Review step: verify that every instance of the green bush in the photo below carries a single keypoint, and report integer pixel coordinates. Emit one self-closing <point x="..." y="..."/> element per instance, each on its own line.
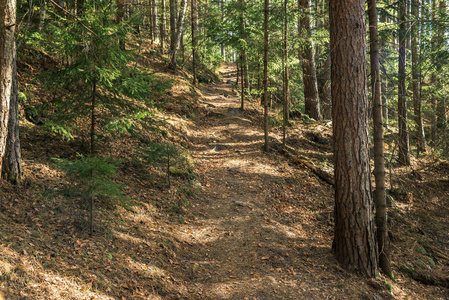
<point x="92" y="179"/>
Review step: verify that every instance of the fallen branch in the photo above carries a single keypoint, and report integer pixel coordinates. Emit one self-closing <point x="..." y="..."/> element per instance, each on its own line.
<point x="302" y="161"/>
<point x="426" y="277"/>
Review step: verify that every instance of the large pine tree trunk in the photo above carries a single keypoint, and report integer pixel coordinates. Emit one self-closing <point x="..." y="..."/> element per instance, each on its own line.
<point x="179" y="31"/>
<point x="404" y="144"/>
<point x="354" y="241"/>
<point x="379" y="162"/>
<point x="12" y="162"/>
<point x="265" y="75"/>
<point x="420" y="136"/>
<point x="7" y="55"/>
<point x="311" y="97"/>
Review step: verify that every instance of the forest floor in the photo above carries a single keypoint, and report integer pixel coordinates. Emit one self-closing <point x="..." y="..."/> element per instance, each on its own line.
<point x="252" y="225"/>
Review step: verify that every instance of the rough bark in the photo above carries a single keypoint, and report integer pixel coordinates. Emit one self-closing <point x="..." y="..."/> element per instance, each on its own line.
<point x="420" y="136"/>
<point x="383" y="244"/>
<point x="265" y="75"/>
<point x="354" y="240"/>
<point x="177" y="36"/>
<point x="7" y="55"/>
<point x="404" y="144"/>
<point x="311" y="97"/>
<point x="12" y="162"/>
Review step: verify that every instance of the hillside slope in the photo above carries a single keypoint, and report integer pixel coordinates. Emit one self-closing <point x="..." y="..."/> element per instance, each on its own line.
<point x="243" y="225"/>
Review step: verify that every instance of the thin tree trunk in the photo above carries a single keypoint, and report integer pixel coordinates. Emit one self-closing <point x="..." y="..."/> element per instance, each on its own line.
<point x="12" y="162"/>
<point x="7" y="57"/>
<point x="354" y="240"/>
<point x="311" y="97"/>
<point x="383" y="244"/>
<point x="150" y="23"/>
<point x="154" y="19"/>
<point x="242" y="53"/>
<point x="179" y="32"/>
<point x="194" y="18"/>
<point x="285" y="81"/>
<point x="404" y="145"/>
<point x="120" y="15"/>
<point x="163" y="30"/>
<point x="327" y="98"/>
<point x="173" y="8"/>
<point x="92" y="117"/>
<point x="434" y="113"/>
<point x="265" y="75"/>
<point x="421" y="140"/>
<point x="42" y="14"/>
<point x="238" y="74"/>
<point x="242" y="85"/>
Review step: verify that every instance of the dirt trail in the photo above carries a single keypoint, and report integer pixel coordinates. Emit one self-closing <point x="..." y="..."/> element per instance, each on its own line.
<point x="244" y="244"/>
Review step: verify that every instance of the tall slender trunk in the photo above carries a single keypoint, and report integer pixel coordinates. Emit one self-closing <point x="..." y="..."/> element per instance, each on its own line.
<point x="119" y="18"/>
<point x="404" y="144"/>
<point x="285" y="81"/>
<point x="179" y="32"/>
<point x="194" y="18"/>
<point x="383" y="244"/>
<point x="265" y="75"/>
<point x="7" y="57"/>
<point x="311" y="97"/>
<point x="242" y="84"/>
<point x="354" y="238"/>
<point x="163" y="30"/>
<point x="327" y="98"/>
<point x="150" y="23"/>
<point x="92" y="117"/>
<point x="416" y="74"/>
<point x="42" y="14"/>
<point x="173" y="8"/>
<point x="12" y="162"/>
<point x="243" y="55"/>
<point x="154" y="19"/>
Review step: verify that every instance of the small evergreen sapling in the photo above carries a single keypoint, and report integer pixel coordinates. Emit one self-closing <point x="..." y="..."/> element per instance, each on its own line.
<point x="93" y="177"/>
<point x="165" y="155"/>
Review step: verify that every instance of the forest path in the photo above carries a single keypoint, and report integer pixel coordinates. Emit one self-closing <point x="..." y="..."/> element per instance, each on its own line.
<point x="244" y="243"/>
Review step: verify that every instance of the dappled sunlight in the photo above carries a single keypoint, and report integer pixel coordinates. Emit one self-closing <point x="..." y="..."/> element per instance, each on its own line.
<point x="25" y="272"/>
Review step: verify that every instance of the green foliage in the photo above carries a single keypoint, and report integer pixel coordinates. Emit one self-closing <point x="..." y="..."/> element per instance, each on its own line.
<point x="92" y="179"/>
<point x="421" y="250"/>
<point x="95" y="81"/>
<point x="169" y="157"/>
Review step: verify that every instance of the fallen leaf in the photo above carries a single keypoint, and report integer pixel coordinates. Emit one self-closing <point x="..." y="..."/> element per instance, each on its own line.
<point x="265" y="257"/>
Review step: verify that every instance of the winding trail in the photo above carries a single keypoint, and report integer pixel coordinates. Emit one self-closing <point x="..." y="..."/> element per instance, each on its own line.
<point x="244" y="243"/>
